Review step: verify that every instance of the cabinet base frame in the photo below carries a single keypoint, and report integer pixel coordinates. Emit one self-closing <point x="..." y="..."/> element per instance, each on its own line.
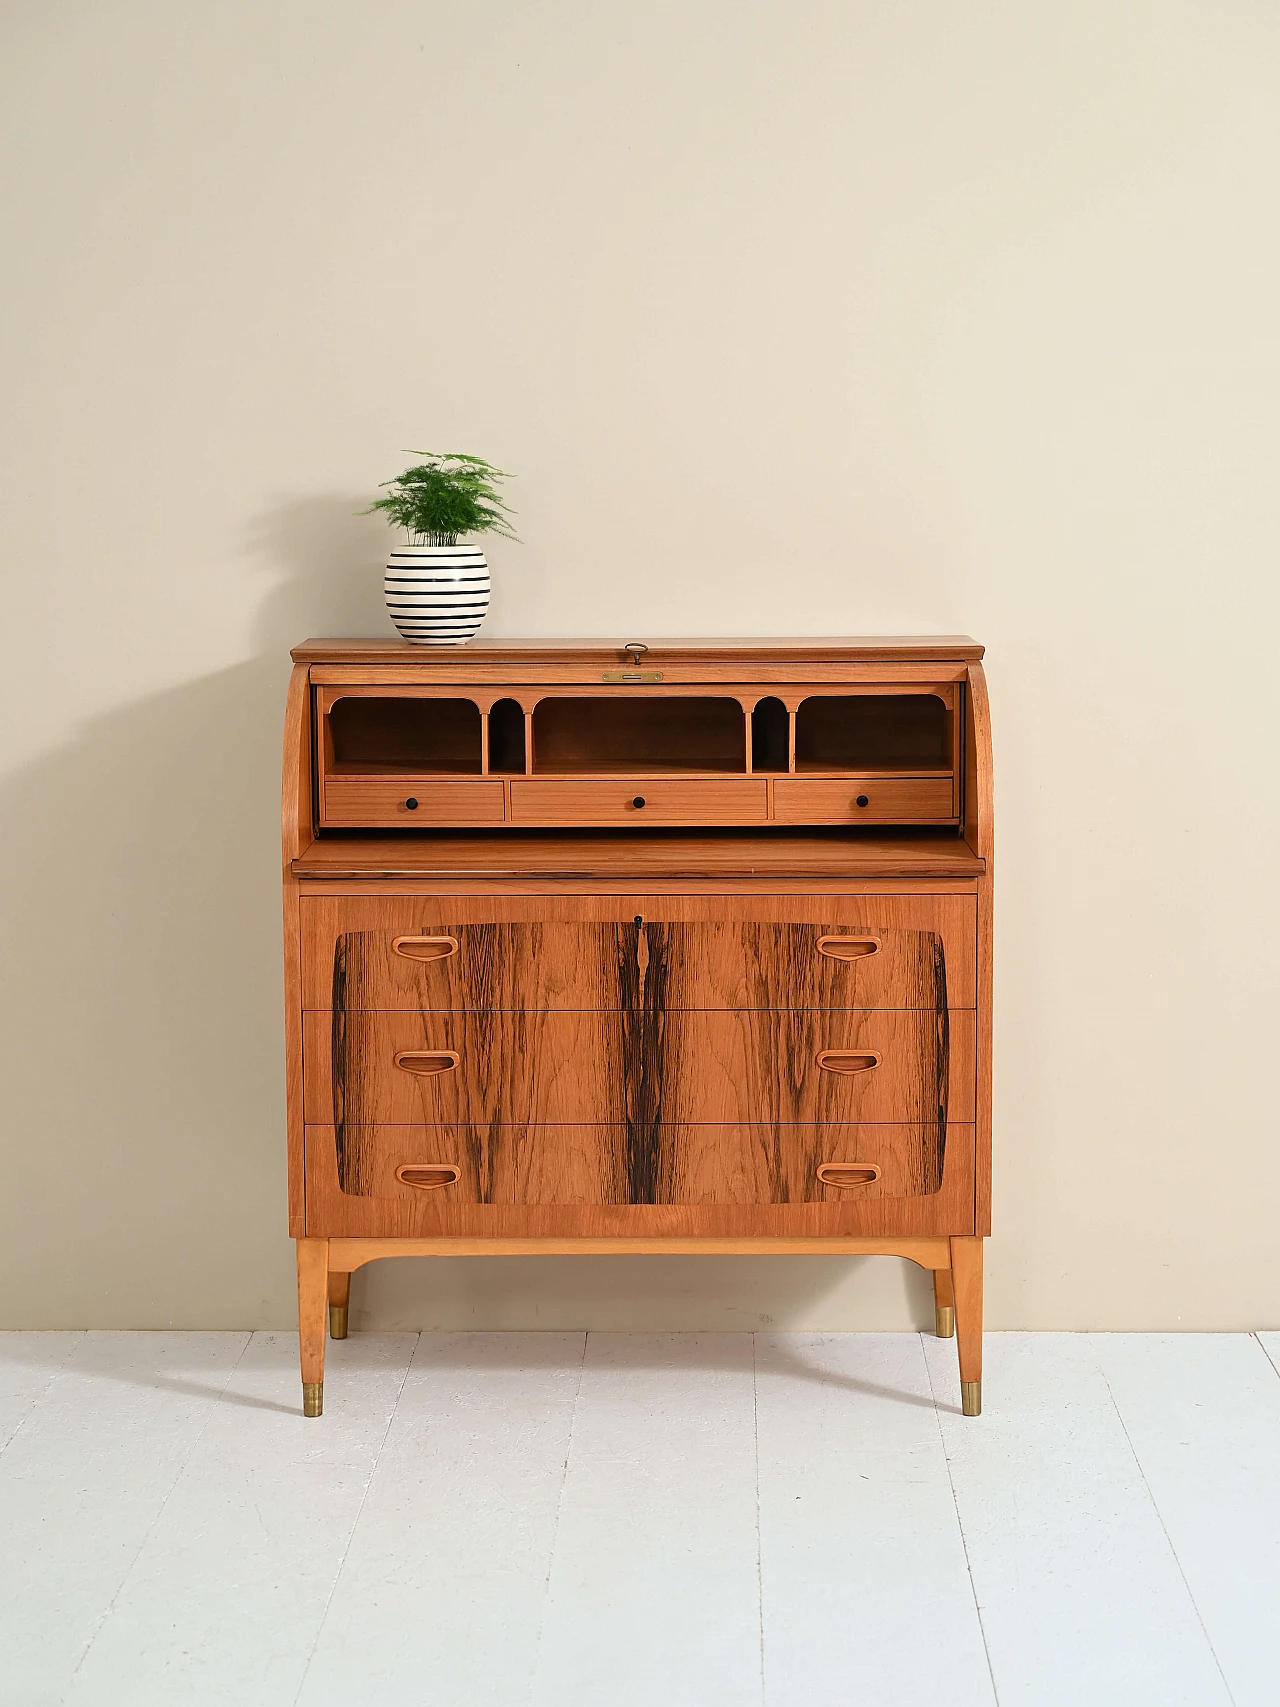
<point x="325" y="1267"/>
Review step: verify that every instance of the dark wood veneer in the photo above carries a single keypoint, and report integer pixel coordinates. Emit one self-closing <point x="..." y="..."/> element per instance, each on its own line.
<point x="585" y="990"/>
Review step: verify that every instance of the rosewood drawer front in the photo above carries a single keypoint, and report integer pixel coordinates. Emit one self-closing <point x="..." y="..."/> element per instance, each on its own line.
<point x="584" y="1164"/>
<point x="374" y="1067"/>
<point x="806" y="1066"/>
<point x="444" y="966"/>
<point x="863" y="800"/>
<point x="635" y="802"/>
<point x="400" y="953"/>
<point x="352" y="801"/>
<point x="371" y="1067"/>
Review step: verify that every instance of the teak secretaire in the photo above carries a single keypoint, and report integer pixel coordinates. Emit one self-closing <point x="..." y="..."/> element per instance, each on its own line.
<point x="602" y="947"/>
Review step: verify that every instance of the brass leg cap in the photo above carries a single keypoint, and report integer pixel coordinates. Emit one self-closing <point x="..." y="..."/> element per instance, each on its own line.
<point x="312" y="1398"/>
<point x="337" y="1321"/>
<point x="945" y="1321"/>
<point x="971" y="1398"/>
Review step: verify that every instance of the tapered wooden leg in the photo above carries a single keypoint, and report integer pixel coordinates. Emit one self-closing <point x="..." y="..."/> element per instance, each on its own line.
<point x="339" y="1294"/>
<point x="944" y="1304"/>
<point x="966" y="1278"/>
<point x="313" y="1275"/>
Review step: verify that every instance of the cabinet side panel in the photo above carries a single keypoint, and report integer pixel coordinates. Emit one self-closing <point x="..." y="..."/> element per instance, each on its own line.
<point x="295" y="836"/>
<point x="980" y="833"/>
<point x="982" y="1169"/>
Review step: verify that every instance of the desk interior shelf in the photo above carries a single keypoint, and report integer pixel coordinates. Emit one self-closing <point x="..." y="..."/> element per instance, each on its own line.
<point x="417" y="757"/>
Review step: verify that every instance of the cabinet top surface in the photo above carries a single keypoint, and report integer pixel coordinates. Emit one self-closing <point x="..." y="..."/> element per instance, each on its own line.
<point x="906" y="648"/>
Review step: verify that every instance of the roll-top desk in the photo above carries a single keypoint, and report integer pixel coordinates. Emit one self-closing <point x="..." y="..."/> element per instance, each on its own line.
<point x="606" y="947"/>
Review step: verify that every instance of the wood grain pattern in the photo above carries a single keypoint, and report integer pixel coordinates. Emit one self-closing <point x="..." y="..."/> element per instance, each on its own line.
<point x="721" y="1067"/>
<point x="612" y="654"/>
<point x="650" y="1044"/>
<point x="980" y="832"/>
<point x="385" y="803"/>
<point x="520" y="1065"/>
<point x="549" y="952"/>
<point x="638" y="1012"/>
<point x="778" y="1163"/>
<point x="923" y="957"/>
<point x="296" y="837"/>
<point x="499" y="965"/>
<point x="978" y="792"/>
<point x="923" y="1250"/>
<point x="558" y="1172"/>
<point x="966" y="1277"/>
<point x="621" y="730"/>
<point x="846" y="853"/>
<point x="313" y="1306"/>
<point x="644" y="1070"/>
<point x="534" y="676"/>
<point x="597" y="800"/>
<point x="581" y="1163"/>
<point x="889" y="800"/>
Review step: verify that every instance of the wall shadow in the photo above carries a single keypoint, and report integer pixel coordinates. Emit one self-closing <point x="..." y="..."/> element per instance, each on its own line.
<point x="142" y="1039"/>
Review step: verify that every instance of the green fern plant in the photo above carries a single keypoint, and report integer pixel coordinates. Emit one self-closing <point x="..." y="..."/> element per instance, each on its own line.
<point x="439" y="500"/>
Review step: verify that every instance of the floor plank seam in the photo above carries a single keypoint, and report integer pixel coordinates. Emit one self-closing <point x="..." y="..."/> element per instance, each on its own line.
<point x="105" y="1618"/>
<point x="555" y="1527"/>
<point x="355" y="1522"/>
<point x="1266" y="1352"/>
<point x="755" y="1431"/>
<point x="1165" y="1532"/>
<point x="964" y="1539"/>
<point x="36" y="1398"/>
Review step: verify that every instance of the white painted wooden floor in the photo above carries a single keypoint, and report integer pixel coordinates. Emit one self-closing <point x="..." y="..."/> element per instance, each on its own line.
<point x="639" y="1520"/>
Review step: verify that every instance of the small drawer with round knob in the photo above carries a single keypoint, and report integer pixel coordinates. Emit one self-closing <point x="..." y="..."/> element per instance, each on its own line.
<point x="601" y="800"/>
<point x="864" y="800"/>
<point x="378" y="802"/>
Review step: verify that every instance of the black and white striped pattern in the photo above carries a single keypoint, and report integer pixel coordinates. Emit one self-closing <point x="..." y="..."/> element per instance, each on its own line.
<point x="437" y="594"/>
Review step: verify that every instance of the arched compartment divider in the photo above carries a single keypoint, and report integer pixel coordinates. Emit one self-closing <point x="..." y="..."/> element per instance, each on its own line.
<point x="506" y="738"/>
<point x="770" y="736"/>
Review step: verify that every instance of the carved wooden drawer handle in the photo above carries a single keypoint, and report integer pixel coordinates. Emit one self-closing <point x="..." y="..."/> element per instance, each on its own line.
<point x="848" y="1060"/>
<point x="425" y="947"/>
<point x="425" y="1062"/>
<point x="428" y="1176"/>
<point x="842" y="1175"/>
<point x="848" y="947"/>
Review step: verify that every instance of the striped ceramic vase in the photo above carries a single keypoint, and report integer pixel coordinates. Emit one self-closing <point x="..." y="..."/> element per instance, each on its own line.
<point x="437" y="594"/>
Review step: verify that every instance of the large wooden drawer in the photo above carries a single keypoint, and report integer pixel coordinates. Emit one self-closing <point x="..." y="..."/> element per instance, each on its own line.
<point x="430" y="955"/>
<point x="437" y="964"/>
<point x="863" y="800"/>
<point x="639" y="801"/>
<point x="407" y="805"/>
<point x="374" y="1067"/>
<point x="670" y="1163"/>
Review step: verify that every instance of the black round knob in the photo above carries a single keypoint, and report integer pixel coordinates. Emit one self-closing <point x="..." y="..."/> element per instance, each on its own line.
<point x="863" y="801"/>
<point x="638" y="920"/>
<point x="412" y="804"/>
<point x="639" y="800"/>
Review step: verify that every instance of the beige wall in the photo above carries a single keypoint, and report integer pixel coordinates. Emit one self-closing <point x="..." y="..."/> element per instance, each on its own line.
<point x="856" y="316"/>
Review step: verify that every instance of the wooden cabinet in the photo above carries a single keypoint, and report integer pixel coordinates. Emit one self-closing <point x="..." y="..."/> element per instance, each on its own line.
<point x="630" y="974"/>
